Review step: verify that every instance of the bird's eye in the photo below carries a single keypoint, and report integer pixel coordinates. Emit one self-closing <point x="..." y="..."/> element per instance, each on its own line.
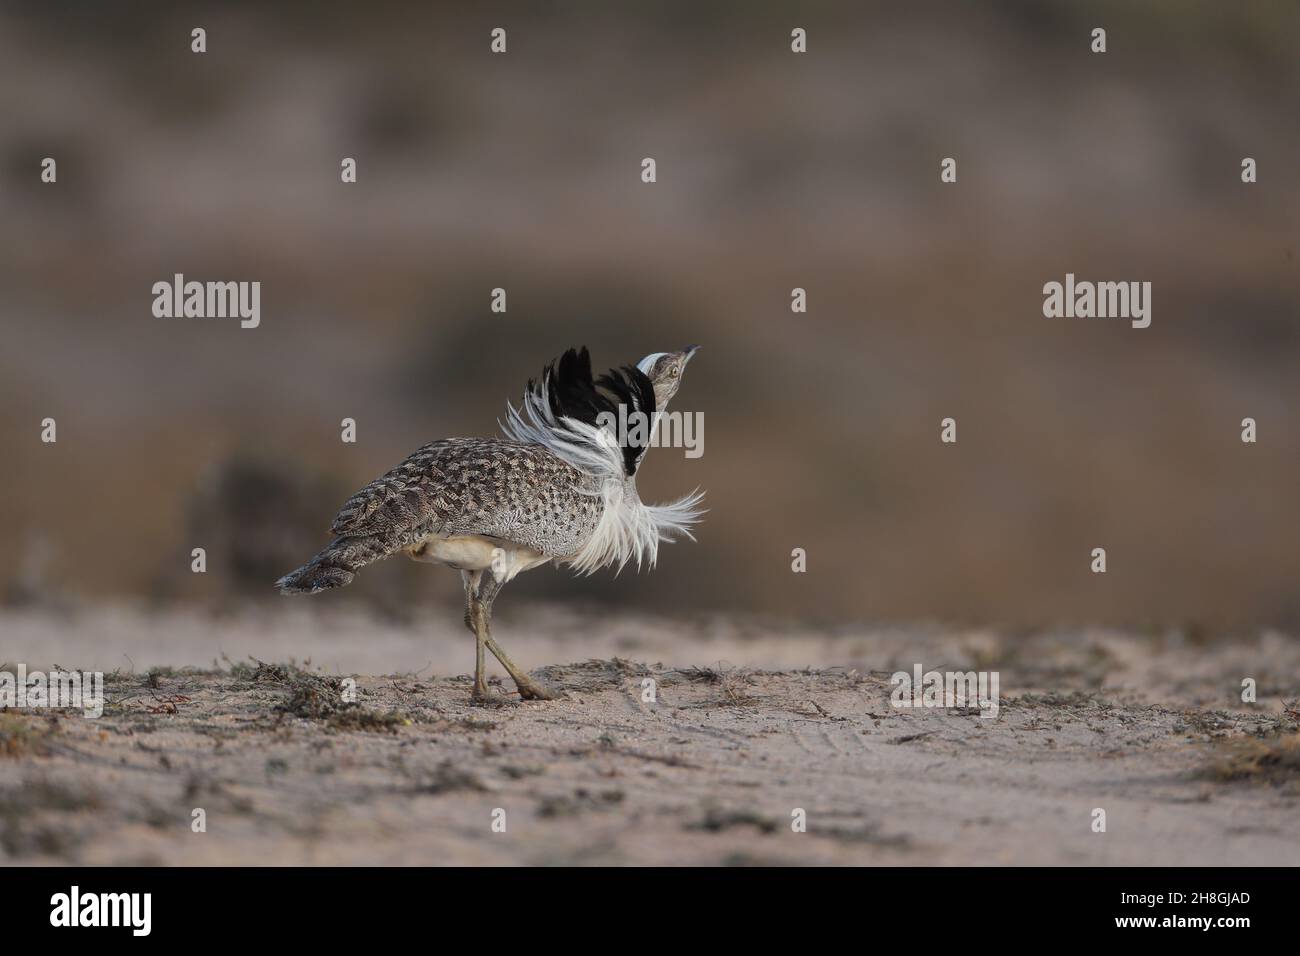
<point x="672" y="373"/>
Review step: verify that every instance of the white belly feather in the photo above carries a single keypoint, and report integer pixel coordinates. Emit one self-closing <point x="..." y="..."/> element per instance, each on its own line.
<point x="474" y="552"/>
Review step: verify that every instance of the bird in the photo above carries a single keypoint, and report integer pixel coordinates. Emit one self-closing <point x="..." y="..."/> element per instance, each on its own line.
<point x="558" y="486"/>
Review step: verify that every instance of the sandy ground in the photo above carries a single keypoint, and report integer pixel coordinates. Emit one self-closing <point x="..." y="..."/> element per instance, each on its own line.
<point x="751" y="721"/>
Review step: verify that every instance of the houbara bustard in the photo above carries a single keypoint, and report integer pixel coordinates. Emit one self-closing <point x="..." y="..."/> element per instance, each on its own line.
<point x="560" y="486"/>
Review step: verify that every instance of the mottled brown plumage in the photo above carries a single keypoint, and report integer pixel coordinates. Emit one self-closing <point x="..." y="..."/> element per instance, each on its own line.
<point x="492" y="487"/>
<point x="487" y="486"/>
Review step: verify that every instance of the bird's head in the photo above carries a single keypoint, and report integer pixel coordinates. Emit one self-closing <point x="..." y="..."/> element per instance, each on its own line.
<point x="665" y="371"/>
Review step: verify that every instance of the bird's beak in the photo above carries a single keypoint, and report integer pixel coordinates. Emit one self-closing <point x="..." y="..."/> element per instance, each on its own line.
<point x="689" y="351"/>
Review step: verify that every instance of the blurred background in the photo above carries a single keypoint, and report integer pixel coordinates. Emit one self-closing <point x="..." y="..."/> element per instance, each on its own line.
<point x="775" y="170"/>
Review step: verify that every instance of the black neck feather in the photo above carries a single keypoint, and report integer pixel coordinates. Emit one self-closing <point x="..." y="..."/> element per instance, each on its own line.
<point x="572" y="393"/>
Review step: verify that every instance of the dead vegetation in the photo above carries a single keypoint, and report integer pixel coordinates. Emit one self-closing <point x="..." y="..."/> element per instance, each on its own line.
<point x="32" y="816"/>
<point x="717" y="819"/>
<point x="1273" y="760"/>
<point x="22" y="736"/>
<point x="449" y="777"/>
<point x="319" y="697"/>
<point x="580" y="801"/>
<point x="592" y="676"/>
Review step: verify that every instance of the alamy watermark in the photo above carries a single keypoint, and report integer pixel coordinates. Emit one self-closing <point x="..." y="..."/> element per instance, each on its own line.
<point x="666" y="430"/>
<point x="208" y="300"/>
<point x="75" y="908"/>
<point x="1100" y="300"/>
<point x="56" y="690"/>
<point x="950" y="689"/>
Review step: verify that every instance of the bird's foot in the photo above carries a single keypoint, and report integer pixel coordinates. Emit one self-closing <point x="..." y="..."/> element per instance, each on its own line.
<point x="531" y="690"/>
<point x="484" y="696"/>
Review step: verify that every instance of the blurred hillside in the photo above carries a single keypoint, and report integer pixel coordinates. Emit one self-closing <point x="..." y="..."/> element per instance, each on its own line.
<point x="774" y="170"/>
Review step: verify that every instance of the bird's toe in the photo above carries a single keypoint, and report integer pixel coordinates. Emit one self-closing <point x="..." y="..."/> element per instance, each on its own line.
<point x="531" y="690"/>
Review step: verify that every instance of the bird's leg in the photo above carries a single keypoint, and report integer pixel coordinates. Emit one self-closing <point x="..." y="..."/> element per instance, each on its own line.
<point x="486" y="593"/>
<point x="475" y="620"/>
<point x="529" y="689"/>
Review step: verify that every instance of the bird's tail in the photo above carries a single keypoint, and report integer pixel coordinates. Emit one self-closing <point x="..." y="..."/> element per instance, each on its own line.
<point x="334" y="567"/>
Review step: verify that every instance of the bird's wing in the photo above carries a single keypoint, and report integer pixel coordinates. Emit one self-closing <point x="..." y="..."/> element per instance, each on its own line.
<point x="473" y="486"/>
<point x="431" y="485"/>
